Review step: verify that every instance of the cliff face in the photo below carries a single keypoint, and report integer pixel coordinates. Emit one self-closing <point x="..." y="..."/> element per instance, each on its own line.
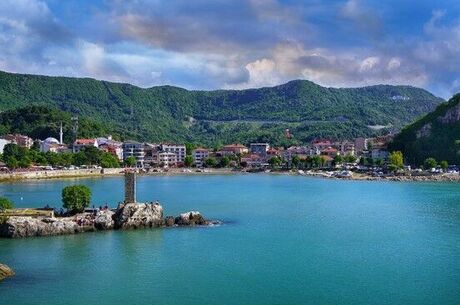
<point x="435" y="135"/>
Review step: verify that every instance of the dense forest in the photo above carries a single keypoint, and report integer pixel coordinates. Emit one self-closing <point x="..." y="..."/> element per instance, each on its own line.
<point x="166" y="113"/>
<point x="436" y="135"/>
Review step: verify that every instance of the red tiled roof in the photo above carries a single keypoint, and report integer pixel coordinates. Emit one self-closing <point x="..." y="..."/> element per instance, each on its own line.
<point x="231" y="146"/>
<point x="85" y="141"/>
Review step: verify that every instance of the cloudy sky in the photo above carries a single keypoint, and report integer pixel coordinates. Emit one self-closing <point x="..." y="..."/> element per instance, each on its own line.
<point x="209" y="44"/>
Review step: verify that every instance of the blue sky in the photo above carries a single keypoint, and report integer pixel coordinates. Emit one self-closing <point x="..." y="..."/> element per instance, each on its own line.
<point x="203" y="44"/>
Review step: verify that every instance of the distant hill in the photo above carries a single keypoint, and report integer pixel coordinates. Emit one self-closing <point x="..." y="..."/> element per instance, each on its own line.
<point x="167" y="113"/>
<point x="40" y="122"/>
<point x="435" y="135"/>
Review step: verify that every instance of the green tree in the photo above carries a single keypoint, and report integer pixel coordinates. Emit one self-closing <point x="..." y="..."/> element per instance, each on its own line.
<point x="444" y="165"/>
<point x="350" y="159"/>
<point x="295" y="161"/>
<point x="430" y="163"/>
<point x="396" y="160"/>
<point x="224" y="161"/>
<point x="11" y="162"/>
<point x="5" y="204"/>
<point x="274" y="161"/>
<point x="189" y="147"/>
<point x="93" y="155"/>
<point x="210" y="162"/>
<point x="130" y="161"/>
<point x="337" y="160"/>
<point x="108" y="160"/>
<point x="78" y="158"/>
<point x="76" y="198"/>
<point x="188" y="161"/>
<point x="24" y="162"/>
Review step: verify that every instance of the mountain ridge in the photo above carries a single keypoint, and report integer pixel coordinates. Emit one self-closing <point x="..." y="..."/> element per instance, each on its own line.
<point x="172" y="113"/>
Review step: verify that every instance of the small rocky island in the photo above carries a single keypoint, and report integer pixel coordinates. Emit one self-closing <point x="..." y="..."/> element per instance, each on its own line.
<point x="128" y="215"/>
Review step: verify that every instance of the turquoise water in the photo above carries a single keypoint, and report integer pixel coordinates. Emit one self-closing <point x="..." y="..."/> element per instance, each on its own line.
<point x="286" y="240"/>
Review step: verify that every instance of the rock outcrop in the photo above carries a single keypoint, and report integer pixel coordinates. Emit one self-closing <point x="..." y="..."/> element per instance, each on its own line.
<point x="138" y="215"/>
<point x="126" y="216"/>
<point x="5" y="272"/>
<point x="191" y="218"/>
<point x="16" y="227"/>
<point x="104" y="220"/>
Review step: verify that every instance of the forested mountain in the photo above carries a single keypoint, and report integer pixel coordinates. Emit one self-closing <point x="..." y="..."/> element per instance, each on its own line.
<point x="167" y="113"/>
<point x="436" y="135"/>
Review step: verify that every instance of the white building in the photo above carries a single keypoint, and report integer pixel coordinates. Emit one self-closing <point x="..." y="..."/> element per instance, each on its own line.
<point x="167" y="159"/>
<point x="177" y="149"/>
<point x="199" y="156"/>
<point x="3" y="142"/>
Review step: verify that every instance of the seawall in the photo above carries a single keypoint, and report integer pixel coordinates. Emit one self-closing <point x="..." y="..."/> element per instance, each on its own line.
<point x="47" y="174"/>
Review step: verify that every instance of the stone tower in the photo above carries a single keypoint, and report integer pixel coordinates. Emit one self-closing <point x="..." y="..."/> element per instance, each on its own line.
<point x="130" y="187"/>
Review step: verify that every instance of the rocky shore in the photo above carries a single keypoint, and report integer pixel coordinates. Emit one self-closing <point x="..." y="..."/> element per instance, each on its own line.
<point x="5" y="272"/>
<point x="126" y="216"/>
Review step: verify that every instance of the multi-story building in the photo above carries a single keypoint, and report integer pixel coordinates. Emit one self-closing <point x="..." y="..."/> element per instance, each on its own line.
<point x="321" y="144"/>
<point x="347" y="148"/>
<point x="111" y="146"/>
<point x="259" y="149"/>
<point x="134" y="149"/>
<point x="151" y="152"/>
<point x="199" y="156"/>
<point x="79" y="144"/>
<point x="177" y="149"/>
<point x="330" y="152"/>
<point x="233" y="149"/>
<point x="20" y="140"/>
<point x="168" y="159"/>
<point x="360" y="145"/>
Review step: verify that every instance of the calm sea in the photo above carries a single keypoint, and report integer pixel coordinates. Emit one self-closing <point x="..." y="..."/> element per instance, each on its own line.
<point x="285" y="240"/>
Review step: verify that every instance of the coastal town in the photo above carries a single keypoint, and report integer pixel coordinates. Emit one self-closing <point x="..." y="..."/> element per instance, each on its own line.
<point x="326" y="157"/>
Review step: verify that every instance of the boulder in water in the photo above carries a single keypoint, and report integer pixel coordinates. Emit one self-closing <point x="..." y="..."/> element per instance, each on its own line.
<point x="191" y="218"/>
<point x="5" y="272"/>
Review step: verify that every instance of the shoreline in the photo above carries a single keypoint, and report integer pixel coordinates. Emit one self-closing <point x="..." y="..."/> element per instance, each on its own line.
<point x="116" y="172"/>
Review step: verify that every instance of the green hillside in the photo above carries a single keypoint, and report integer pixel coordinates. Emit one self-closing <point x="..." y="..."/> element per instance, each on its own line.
<point x="435" y="135"/>
<point x="168" y="113"/>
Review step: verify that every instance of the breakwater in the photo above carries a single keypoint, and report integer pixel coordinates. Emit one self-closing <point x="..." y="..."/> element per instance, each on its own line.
<point x="47" y="174"/>
<point x="126" y="216"/>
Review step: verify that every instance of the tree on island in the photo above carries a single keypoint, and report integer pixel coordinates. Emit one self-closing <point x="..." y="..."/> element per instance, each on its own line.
<point x="396" y="160"/>
<point x="188" y="160"/>
<point x="130" y="161"/>
<point x="430" y="163"/>
<point x="76" y="198"/>
<point x="5" y="204"/>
